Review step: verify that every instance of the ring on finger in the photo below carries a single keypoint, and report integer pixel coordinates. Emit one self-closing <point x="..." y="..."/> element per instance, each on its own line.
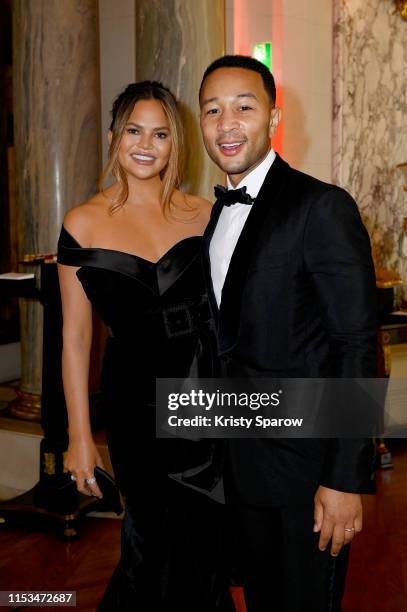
<point x="90" y="481"/>
<point x="73" y="477"/>
<point x="350" y="529"/>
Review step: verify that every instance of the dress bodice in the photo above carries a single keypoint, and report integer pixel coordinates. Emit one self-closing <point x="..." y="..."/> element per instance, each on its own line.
<point x="152" y="309"/>
<point x="128" y="290"/>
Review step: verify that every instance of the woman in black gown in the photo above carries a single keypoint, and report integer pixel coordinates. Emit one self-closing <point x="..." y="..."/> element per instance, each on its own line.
<point x="132" y="253"/>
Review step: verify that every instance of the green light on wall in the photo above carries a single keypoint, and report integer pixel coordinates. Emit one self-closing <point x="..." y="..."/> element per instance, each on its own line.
<point x="262" y="52"/>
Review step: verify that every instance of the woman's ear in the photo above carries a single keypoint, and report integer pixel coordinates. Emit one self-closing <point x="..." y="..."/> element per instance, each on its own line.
<point x="109" y="137"/>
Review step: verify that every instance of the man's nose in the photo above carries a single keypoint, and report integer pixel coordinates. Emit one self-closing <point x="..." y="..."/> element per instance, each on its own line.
<point x="228" y="121"/>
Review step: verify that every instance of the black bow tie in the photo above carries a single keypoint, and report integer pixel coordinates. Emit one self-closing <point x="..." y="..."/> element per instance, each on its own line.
<point x="232" y="196"/>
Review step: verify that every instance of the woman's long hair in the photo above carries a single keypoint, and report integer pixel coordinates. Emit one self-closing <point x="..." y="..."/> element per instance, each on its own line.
<point x="121" y="111"/>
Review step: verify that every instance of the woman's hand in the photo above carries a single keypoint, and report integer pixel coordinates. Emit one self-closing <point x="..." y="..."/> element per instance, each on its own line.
<point x="81" y="458"/>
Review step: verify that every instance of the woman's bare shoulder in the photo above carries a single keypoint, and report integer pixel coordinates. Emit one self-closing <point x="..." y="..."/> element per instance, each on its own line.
<point x="202" y="204"/>
<point x="82" y="218"/>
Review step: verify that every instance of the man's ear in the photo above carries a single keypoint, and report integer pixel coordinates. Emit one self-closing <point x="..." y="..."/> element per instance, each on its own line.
<point x="275" y="117"/>
<point x="109" y="137"/>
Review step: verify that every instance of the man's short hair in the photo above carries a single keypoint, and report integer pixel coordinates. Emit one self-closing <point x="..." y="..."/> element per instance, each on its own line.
<point x="247" y="62"/>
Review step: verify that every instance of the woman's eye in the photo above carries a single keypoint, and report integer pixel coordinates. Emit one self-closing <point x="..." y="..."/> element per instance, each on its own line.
<point x="212" y="111"/>
<point x="132" y="131"/>
<point x="162" y="135"/>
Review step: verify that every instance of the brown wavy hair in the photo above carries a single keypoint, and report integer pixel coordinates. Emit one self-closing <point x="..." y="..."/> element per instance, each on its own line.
<point x="121" y="111"/>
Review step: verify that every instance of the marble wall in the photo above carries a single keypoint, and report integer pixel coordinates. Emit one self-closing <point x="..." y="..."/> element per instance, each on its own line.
<point x="176" y="41"/>
<point x="370" y="119"/>
<point x="117" y="44"/>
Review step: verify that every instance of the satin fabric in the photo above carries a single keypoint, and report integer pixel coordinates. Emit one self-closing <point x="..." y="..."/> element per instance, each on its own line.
<point x="157" y="314"/>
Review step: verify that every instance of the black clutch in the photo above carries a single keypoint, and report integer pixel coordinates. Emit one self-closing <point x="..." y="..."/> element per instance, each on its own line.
<point x="109" y="489"/>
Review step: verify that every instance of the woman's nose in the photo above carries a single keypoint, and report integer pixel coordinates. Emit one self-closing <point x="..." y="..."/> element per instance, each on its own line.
<point x="145" y="141"/>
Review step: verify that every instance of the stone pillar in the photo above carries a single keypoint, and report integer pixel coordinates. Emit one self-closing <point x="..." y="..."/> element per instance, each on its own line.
<point x="57" y="144"/>
<point x="4" y="207"/>
<point x="175" y="42"/>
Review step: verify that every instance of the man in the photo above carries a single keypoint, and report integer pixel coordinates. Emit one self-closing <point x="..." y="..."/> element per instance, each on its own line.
<point x="292" y="288"/>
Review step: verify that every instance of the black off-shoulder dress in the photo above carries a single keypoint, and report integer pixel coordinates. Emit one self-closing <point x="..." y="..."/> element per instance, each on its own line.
<point x="173" y="552"/>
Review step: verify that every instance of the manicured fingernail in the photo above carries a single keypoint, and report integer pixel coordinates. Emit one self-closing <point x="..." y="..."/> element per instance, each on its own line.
<point x="315" y="527"/>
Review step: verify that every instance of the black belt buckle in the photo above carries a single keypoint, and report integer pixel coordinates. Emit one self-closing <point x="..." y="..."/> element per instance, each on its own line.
<point x="178" y="321"/>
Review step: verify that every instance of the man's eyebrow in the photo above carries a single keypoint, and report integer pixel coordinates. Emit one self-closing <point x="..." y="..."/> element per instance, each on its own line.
<point x="246" y="94"/>
<point x="209" y="100"/>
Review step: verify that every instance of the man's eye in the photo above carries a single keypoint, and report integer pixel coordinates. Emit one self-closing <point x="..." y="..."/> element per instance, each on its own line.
<point x="212" y="111"/>
<point x="244" y="107"/>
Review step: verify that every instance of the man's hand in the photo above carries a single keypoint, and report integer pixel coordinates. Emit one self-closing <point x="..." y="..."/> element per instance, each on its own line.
<point x="337" y="515"/>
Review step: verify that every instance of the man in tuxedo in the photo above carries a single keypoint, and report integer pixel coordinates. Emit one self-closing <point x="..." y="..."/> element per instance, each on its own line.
<point x="292" y="288"/>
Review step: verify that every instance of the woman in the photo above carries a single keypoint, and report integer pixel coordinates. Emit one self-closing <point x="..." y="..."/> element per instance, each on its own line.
<point x="132" y="252"/>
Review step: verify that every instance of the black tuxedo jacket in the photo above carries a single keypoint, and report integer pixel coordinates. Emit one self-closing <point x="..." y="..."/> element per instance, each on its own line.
<point x="298" y="301"/>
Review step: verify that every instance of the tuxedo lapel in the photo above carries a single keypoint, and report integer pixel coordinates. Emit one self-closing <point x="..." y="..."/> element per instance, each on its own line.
<point x="265" y="204"/>
<point x="207" y="237"/>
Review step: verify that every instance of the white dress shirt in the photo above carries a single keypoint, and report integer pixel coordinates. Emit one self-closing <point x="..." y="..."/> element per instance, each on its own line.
<point x="230" y="224"/>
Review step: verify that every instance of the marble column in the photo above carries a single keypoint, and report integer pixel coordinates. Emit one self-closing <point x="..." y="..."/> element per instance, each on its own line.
<point x="175" y="42"/>
<point x="56" y="122"/>
<point x="370" y="120"/>
<point x="4" y="220"/>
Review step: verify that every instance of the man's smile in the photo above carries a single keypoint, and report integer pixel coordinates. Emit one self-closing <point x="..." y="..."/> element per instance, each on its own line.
<point x="231" y="148"/>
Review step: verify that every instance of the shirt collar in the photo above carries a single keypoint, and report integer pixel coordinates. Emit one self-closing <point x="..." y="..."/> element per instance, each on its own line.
<point x="255" y="179"/>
